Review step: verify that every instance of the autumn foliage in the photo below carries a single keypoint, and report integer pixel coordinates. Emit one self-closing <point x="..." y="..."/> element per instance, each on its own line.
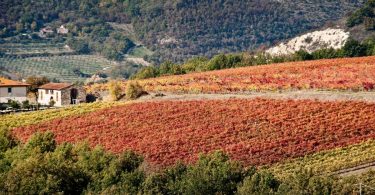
<point x="357" y="74"/>
<point x="255" y="131"/>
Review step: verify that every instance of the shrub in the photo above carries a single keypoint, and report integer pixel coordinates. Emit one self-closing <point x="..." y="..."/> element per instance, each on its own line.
<point x="44" y="141"/>
<point x="212" y="174"/>
<point x="79" y="45"/>
<point x="218" y="62"/>
<point x="353" y="48"/>
<point x="166" y="182"/>
<point x="115" y="90"/>
<point x="7" y="141"/>
<point x="259" y="183"/>
<point x="303" y="55"/>
<point x="133" y="90"/>
<point x="26" y="104"/>
<point x="14" y="104"/>
<point x="195" y="64"/>
<point x="145" y="73"/>
<point x="305" y="182"/>
<point x="51" y="103"/>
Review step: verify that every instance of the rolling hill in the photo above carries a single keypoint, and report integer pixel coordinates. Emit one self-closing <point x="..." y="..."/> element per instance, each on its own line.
<point x="254" y="132"/>
<point x="321" y="142"/>
<point x="350" y="74"/>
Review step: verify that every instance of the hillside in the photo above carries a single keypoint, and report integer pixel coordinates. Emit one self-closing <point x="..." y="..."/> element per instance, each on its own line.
<point x="358" y="25"/>
<point x="184" y="29"/>
<point x="180" y="130"/>
<point x="289" y="140"/>
<point x="346" y="74"/>
<point x="57" y="61"/>
<point x="313" y="41"/>
<point x="175" y="30"/>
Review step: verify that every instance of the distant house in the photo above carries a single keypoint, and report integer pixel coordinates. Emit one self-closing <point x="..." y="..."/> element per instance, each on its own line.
<point x="44" y="32"/>
<point x="12" y="90"/>
<point x="62" y="30"/>
<point x="62" y="94"/>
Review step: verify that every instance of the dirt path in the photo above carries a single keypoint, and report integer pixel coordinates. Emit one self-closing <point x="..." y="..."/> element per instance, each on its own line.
<point x="296" y="95"/>
<point x="356" y="170"/>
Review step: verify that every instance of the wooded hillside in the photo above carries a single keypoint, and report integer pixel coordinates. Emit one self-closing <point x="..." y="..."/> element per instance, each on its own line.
<point x="174" y="29"/>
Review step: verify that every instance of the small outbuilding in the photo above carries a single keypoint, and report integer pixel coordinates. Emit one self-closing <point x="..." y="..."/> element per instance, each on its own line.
<point x="62" y="94"/>
<point x="47" y="31"/>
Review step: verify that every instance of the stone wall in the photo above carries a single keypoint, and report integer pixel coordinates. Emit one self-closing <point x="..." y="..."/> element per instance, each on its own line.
<point x="65" y="95"/>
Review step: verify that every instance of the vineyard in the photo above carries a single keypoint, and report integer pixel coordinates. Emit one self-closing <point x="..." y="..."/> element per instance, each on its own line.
<point x="335" y="74"/>
<point x="257" y="131"/>
<point x="34" y="48"/>
<point x="55" y="61"/>
<point x="17" y="120"/>
<point x="329" y="161"/>
<point x="60" y="67"/>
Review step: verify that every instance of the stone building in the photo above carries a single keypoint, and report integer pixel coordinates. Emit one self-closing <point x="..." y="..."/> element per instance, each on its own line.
<point x="62" y="94"/>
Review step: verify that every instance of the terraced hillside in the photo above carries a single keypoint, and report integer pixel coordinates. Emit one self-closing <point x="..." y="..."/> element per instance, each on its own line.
<point x="60" y="67"/>
<point x="34" y="48"/>
<point x="58" y="61"/>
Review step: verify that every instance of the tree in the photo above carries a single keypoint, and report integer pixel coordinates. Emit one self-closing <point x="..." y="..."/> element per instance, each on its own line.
<point x="34" y="26"/>
<point x="148" y="72"/>
<point x="303" y="55"/>
<point x="217" y="62"/>
<point x="353" y="48"/>
<point x="369" y="23"/>
<point x="35" y="82"/>
<point x="79" y="45"/>
<point x="19" y="27"/>
<point x="195" y="64"/>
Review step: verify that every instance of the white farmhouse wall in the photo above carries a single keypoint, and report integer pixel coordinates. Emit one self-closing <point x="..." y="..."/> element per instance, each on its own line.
<point x="18" y="94"/>
<point x="45" y="98"/>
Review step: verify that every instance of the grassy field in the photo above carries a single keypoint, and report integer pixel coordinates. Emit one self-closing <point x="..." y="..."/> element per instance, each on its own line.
<point x="140" y="52"/>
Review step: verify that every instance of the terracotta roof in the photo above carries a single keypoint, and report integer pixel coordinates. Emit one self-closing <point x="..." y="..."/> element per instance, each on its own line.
<point x="10" y="83"/>
<point x="55" y="86"/>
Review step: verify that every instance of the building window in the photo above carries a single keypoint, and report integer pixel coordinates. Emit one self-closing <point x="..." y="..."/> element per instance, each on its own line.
<point x="9" y="90"/>
<point x="51" y="91"/>
<point x="47" y="91"/>
<point x="41" y="95"/>
<point x="57" y="96"/>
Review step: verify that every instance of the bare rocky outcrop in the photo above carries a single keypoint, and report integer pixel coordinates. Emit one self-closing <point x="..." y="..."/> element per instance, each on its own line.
<point x="310" y="42"/>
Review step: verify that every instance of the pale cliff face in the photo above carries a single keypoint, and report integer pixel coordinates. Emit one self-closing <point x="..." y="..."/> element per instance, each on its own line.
<point x="310" y="42"/>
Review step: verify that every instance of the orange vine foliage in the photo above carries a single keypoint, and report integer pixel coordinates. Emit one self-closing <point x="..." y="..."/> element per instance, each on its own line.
<point x="333" y="74"/>
<point x="256" y="132"/>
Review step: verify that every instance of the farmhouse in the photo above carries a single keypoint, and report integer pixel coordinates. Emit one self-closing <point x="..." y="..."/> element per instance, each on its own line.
<point x="62" y="94"/>
<point x="44" y="32"/>
<point x="12" y="90"/>
<point x="62" y="30"/>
